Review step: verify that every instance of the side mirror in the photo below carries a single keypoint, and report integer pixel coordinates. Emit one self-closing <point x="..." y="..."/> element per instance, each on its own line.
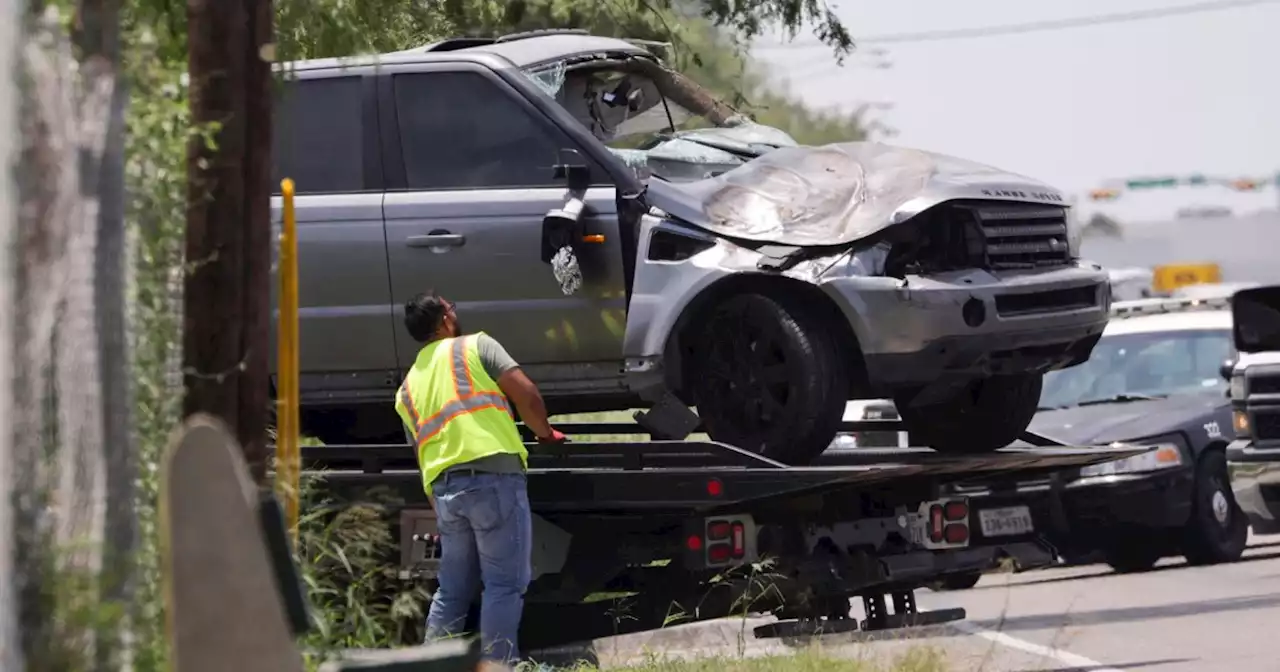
<point x="1228" y="366"/>
<point x="1255" y="316"/>
<point x="573" y="170"/>
<point x="561" y="227"/>
<point x="562" y="231"/>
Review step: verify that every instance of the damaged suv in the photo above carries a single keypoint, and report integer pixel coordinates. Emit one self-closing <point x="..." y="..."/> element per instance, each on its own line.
<point x="636" y="243"/>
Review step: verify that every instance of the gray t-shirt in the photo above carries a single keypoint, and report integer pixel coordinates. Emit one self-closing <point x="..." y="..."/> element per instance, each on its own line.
<point x="496" y="362"/>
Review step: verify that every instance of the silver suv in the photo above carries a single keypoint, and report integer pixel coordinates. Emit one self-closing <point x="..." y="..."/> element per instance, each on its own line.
<point x="635" y="242"/>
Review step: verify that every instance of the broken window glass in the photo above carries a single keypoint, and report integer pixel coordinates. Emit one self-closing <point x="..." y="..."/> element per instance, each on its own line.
<point x="655" y="120"/>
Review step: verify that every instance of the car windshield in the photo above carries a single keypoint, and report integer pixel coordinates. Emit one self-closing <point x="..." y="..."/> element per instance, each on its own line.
<point x="659" y="122"/>
<point x="1128" y="367"/>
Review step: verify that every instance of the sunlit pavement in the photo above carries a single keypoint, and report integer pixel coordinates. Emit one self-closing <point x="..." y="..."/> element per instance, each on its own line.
<point x="1175" y="618"/>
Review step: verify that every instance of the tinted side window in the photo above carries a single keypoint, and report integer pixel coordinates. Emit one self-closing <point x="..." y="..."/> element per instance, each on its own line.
<point x="318" y="136"/>
<point x="459" y="130"/>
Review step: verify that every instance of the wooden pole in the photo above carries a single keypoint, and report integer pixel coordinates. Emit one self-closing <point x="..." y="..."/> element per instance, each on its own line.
<point x="226" y="329"/>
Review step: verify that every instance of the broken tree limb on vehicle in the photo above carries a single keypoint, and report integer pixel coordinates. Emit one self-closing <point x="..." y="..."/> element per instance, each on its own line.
<point x="228" y="251"/>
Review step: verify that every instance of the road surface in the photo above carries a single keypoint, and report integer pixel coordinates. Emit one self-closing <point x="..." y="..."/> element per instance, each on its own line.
<point x="1175" y="618"/>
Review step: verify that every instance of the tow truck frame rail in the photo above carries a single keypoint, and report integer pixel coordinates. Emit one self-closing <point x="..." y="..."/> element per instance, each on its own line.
<point x="664" y="522"/>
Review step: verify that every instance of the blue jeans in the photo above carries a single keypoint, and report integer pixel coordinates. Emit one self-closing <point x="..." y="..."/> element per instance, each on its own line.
<point x="486" y="532"/>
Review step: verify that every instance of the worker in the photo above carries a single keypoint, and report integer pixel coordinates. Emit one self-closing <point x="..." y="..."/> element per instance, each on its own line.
<point x="453" y="402"/>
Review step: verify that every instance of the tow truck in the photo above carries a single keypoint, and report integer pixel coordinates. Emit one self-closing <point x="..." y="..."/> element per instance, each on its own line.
<point x="637" y="535"/>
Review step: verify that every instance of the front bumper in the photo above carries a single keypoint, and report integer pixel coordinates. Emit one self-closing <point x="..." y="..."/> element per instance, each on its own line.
<point x="973" y="323"/>
<point x="1082" y="514"/>
<point x="1255" y="479"/>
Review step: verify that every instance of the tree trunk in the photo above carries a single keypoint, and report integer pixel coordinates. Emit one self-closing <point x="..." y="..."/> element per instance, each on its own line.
<point x="227" y="291"/>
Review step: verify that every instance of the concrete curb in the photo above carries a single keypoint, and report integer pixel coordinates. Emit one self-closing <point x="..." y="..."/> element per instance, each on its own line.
<point x="721" y="637"/>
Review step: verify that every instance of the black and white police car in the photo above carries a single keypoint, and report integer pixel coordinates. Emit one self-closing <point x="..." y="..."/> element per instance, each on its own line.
<point x="1154" y="379"/>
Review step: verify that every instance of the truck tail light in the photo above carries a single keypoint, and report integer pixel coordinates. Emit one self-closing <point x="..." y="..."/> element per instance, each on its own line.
<point x="942" y="523"/>
<point x="719" y="541"/>
<point x="718" y="529"/>
<point x="956" y="510"/>
<point x="936" y="523"/>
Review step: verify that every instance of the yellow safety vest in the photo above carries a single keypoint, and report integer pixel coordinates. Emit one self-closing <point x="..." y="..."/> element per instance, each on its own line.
<point x="457" y="412"/>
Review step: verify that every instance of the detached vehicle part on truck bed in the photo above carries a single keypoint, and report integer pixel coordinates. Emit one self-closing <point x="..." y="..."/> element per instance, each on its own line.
<point x="635" y="243"/>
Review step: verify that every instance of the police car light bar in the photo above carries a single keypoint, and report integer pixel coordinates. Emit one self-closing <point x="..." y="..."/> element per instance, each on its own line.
<point x="1157" y="306"/>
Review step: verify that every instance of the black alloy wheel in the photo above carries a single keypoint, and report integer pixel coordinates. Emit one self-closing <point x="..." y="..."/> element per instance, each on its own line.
<point x="768" y="380"/>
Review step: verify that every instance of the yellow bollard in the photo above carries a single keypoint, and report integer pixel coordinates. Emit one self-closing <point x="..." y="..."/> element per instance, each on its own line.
<point x="288" y="459"/>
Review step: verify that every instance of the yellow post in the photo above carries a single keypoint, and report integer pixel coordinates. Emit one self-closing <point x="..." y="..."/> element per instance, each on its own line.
<point x="288" y="460"/>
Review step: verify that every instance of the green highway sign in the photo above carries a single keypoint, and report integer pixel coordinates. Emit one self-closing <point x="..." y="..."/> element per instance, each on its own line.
<point x="1151" y="183"/>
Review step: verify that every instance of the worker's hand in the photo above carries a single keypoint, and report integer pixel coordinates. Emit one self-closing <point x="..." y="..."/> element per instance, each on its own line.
<point x="556" y="437"/>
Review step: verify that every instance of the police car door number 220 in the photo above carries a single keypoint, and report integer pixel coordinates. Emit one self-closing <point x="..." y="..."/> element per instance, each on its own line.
<point x="1006" y="521"/>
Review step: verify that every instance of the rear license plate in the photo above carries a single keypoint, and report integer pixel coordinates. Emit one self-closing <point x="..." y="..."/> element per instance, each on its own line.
<point x="1005" y="522"/>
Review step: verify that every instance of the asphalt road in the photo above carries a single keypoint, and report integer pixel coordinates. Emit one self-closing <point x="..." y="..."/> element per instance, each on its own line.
<point x="1175" y="618"/>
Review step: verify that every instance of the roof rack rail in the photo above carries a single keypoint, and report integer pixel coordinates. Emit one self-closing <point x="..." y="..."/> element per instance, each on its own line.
<point x="456" y="43"/>
<point x="1157" y="306"/>
<point x="657" y="46"/>
<point x="512" y="37"/>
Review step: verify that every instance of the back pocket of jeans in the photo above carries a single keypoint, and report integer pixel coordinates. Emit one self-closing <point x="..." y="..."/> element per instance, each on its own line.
<point x="489" y="507"/>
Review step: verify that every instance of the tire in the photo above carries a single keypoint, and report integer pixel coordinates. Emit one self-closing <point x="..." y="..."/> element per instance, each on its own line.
<point x="963" y="581"/>
<point x="768" y="379"/>
<point x="1217" y="530"/>
<point x="1137" y="556"/>
<point x="989" y="415"/>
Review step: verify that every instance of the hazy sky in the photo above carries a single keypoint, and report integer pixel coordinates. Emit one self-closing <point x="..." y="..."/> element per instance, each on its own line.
<point x="1072" y="107"/>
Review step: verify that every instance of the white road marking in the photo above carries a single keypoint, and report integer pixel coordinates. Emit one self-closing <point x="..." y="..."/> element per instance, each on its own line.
<point x="1065" y="657"/>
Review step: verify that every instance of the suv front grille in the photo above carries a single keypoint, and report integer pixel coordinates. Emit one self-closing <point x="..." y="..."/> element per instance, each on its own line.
<point x="990" y="235"/>
<point x="1024" y="236"/>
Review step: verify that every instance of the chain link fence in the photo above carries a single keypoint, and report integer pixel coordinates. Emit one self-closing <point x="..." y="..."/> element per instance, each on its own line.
<point x="71" y="453"/>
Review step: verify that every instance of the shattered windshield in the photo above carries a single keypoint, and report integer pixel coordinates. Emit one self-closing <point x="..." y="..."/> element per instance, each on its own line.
<point x="1142" y="365"/>
<point x="657" y="121"/>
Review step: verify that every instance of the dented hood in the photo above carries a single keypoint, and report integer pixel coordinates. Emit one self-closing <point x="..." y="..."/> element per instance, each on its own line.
<point x="836" y="194"/>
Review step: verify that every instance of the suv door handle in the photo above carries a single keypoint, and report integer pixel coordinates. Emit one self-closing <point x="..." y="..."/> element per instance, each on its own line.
<point x="442" y="239"/>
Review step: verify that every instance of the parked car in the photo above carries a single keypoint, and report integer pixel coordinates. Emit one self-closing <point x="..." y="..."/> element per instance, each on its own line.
<point x="1154" y="380"/>
<point x="635" y="242"/>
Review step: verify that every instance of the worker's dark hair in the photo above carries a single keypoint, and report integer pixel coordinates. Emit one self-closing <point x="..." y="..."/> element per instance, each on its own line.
<point x="423" y="315"/>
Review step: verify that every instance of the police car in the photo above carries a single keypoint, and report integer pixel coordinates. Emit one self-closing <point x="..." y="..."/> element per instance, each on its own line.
<point x="1154" y="379"/>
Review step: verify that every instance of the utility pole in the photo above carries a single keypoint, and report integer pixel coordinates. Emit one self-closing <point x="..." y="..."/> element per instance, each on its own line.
<point x="226" y="328"/>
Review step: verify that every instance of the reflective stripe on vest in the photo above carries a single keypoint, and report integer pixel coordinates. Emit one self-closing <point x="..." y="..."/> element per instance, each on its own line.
<point x="465" y="401"/>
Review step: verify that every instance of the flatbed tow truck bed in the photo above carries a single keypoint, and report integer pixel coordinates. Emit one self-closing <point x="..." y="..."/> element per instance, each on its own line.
<point x="669" y="532"/>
